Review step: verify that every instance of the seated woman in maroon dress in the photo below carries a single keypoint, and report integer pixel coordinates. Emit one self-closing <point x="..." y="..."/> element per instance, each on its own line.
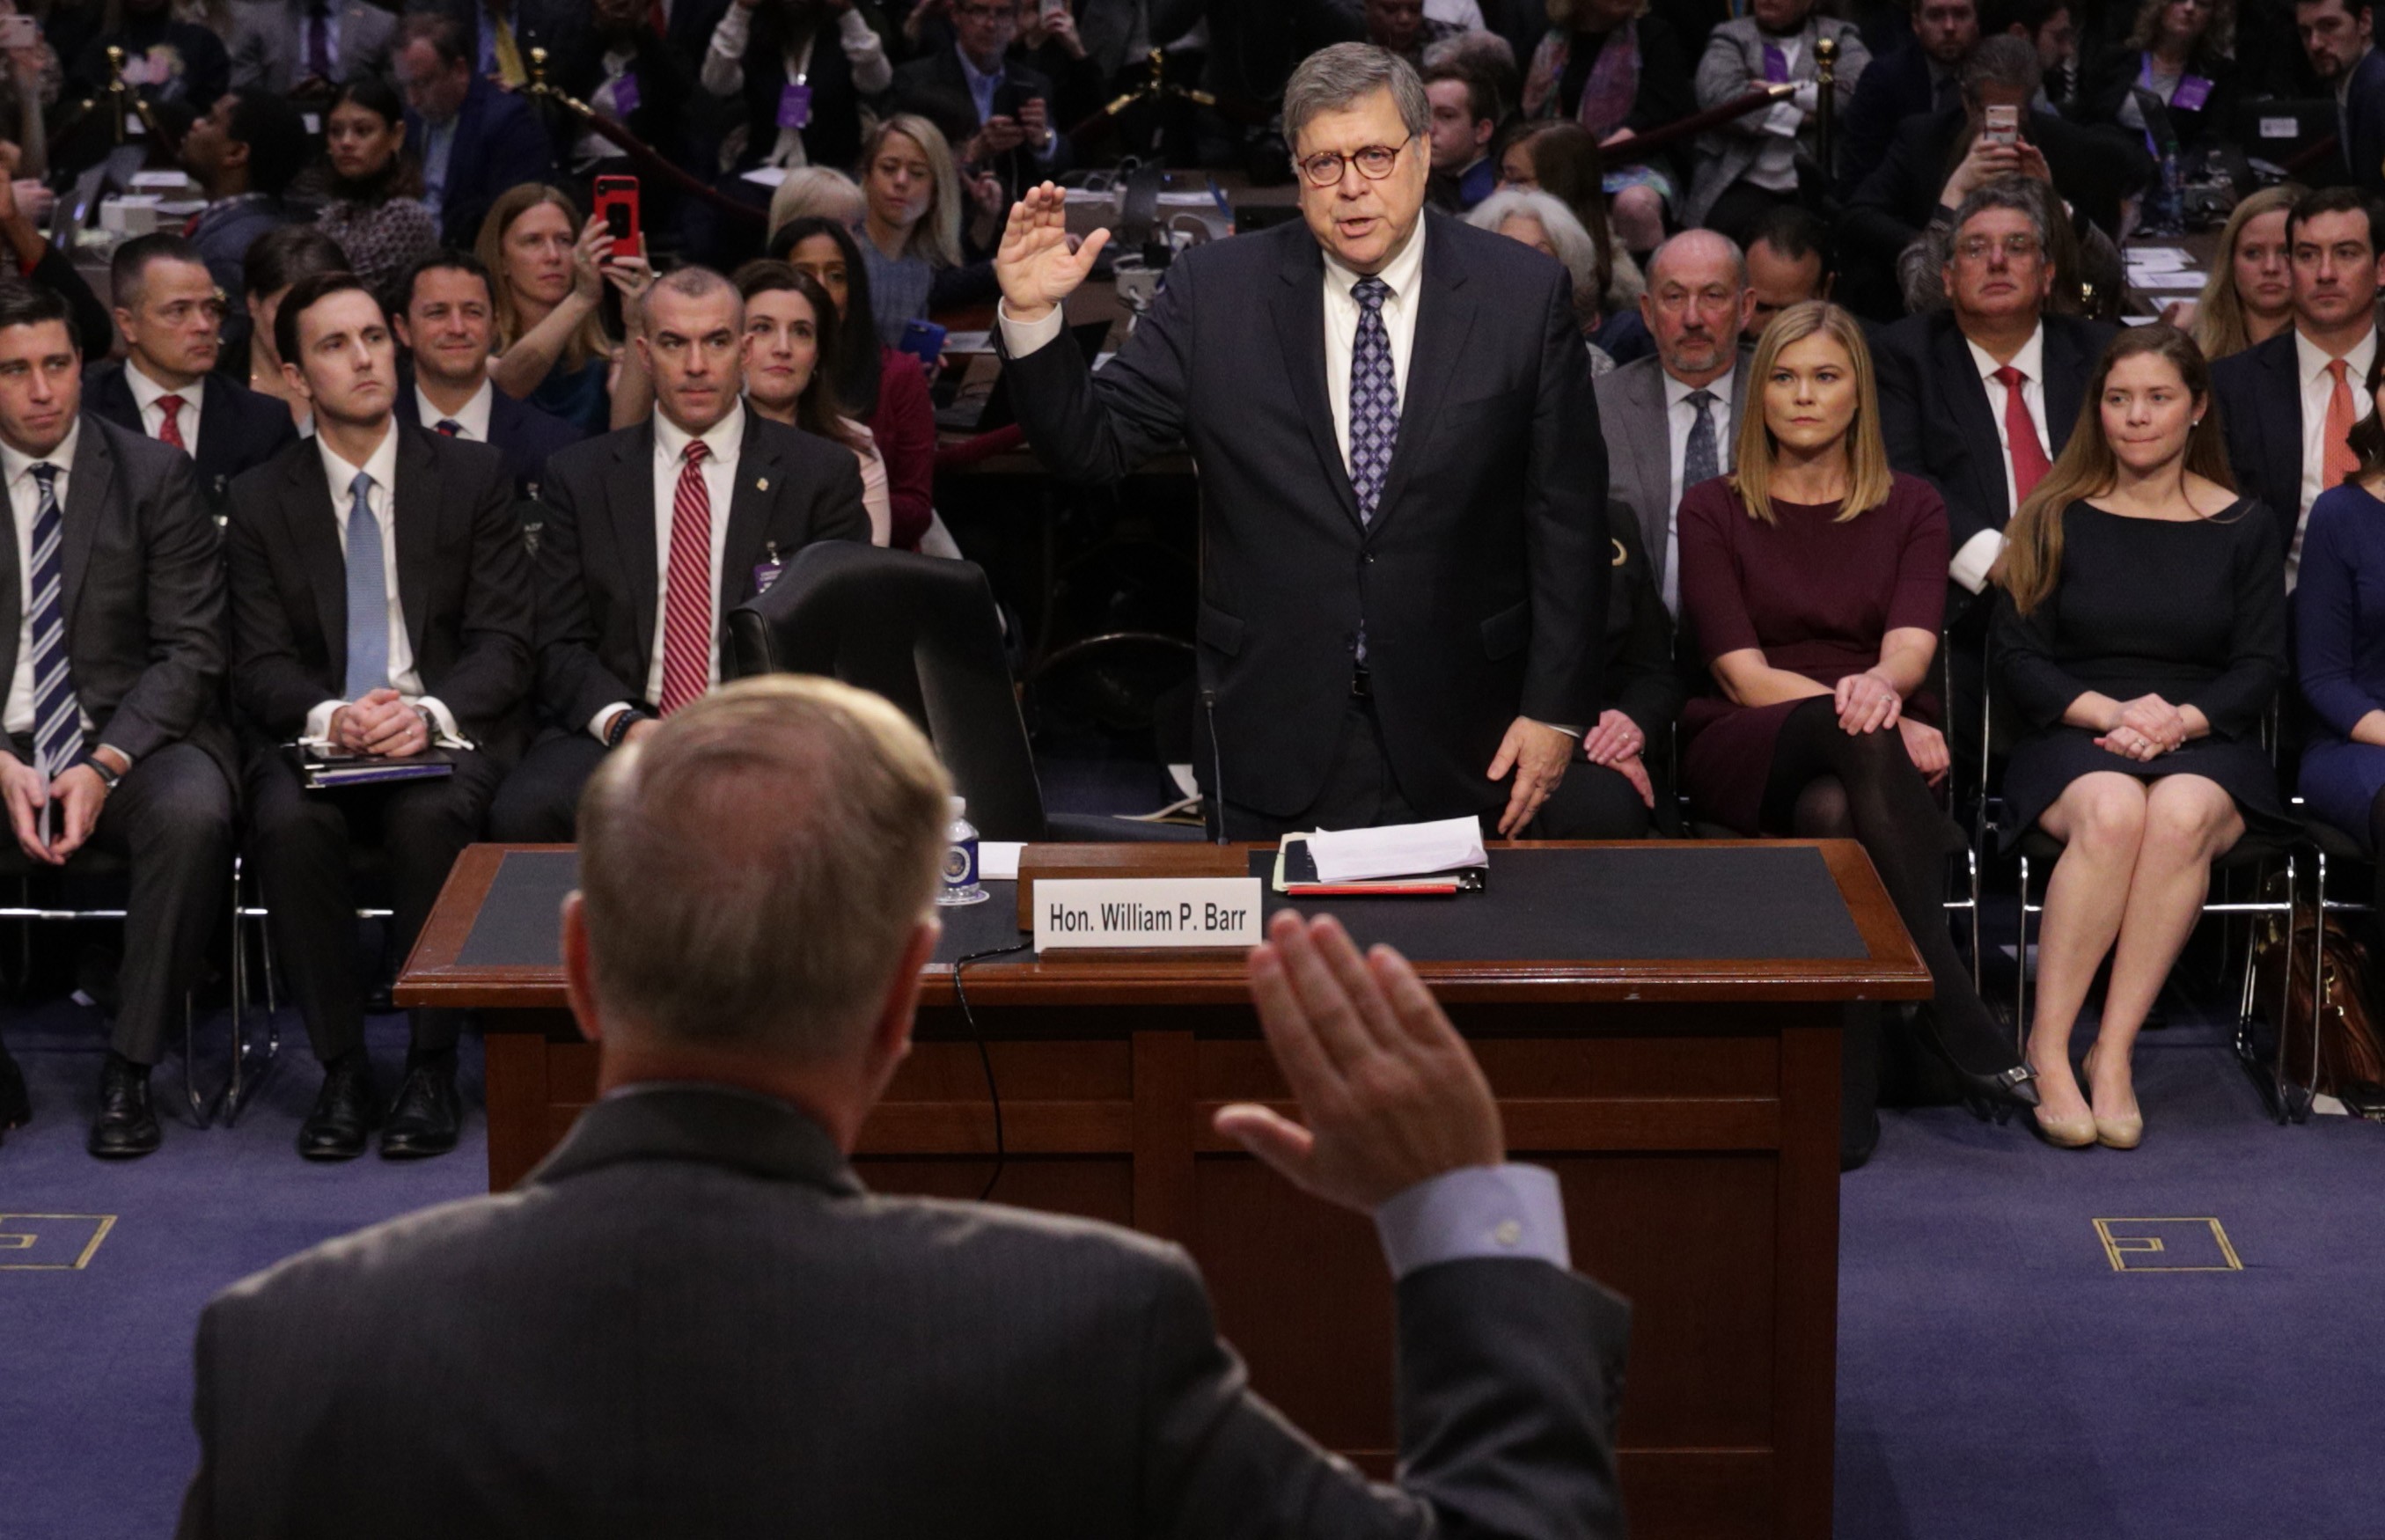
<point x="1814" y="581"/>
<point x="2141" y="633"/>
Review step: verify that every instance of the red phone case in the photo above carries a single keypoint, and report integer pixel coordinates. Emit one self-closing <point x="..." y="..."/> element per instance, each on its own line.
<point x="619" y="191"/>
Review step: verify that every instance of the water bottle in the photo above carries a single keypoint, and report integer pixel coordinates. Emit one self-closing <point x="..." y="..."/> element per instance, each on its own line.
<point x="961" y="885"/>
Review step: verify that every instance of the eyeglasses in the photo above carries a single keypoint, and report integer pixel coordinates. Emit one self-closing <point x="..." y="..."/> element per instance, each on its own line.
<point x="1374" y="163"/>
<point x="2017" y="248"/>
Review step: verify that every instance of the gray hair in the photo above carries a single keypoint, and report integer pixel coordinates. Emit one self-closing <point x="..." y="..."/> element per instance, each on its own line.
<point x="2003" y="60"/>
<point x="2014" y="193"/>
<point x="1700" y="235"/>
<point x="1340" y="75"/>
<point x="752" y="871"/>
<point x="1575" y="248"/>
<point x="689" y="282"/>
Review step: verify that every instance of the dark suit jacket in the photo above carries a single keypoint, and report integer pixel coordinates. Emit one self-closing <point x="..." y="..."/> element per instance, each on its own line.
<point x="2109" y="83"/>
<point x="1480" y="578"/>
<point x="703" y="1326"/>
<point x="499" y="143"/>
<point x="463" y="580"/>
<point x="526" y="436"/>
<point x="934" y="86"/>
<point x="598" y="587"/>
<point x="1941" y="421"/>
<point x="144" y="592"/>
<point x="2261" y="410"/>
<point x="238" y="429"/>
<point x="1895" y="86"/>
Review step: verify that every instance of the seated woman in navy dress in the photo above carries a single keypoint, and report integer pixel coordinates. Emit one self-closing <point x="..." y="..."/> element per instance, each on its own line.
<point x="1815" y="582"/>
<point x="2340" y="644"/>
<point x="2141" y="632"/>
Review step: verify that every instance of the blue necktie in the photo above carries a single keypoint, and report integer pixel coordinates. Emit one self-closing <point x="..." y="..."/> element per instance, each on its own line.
<point x="368" y="596"/>
<point x="1700" y="461"/>
<point x="57" y="716"/>
<point x="1374" y="398"/>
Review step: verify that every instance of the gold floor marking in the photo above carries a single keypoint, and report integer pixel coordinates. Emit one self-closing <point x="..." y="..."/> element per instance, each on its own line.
<point x="22" y="1235"/>
<point x="2180" y="1245"/>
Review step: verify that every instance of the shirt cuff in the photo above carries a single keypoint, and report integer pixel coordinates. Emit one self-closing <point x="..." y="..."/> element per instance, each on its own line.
<point x="1020" y="338"/>
<point x="449" y="735"/>
<point x="1506" y="1211"/>
<point x="1784" y="119"/>
<point x="600" y="725"/>
<point x="1970" y="565"/>
<point x="318" y="722"/>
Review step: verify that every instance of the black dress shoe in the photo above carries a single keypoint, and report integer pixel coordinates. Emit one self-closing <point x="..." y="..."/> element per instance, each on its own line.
<point x="16" y="1107"/>
<point x="428" y="1114"/>
<point x="344" y="1110"/>
<point x="125" y="1127"/>
<point x="2006" y="1086"/>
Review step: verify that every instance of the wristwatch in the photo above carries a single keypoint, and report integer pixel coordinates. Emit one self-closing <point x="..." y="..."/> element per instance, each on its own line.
<point x="618" y="728"/>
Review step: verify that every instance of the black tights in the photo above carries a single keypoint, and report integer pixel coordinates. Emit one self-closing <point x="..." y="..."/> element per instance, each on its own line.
<point x="2377" y="853"/>
<point x="1829" y="783"/>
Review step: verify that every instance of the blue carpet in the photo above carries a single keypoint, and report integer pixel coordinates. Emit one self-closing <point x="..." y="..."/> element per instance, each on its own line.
<point x="1997" y="1377"/>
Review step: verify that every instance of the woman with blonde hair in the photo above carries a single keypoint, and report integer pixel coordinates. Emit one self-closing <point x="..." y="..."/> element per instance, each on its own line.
<point x="820" y="192"/>
<point x="1815" y="581"/>
<point x="2249" y="297"/>
<point x="911" y="218"/>
<point x="2141" y="635"/>
<point x="553" y="350"/>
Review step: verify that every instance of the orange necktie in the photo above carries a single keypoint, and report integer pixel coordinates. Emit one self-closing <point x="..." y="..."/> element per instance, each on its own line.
<point x="2337" y="461"/>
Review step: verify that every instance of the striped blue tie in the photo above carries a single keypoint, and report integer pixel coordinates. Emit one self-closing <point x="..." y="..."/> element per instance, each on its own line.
<point x="368" y="596"/>
<point x="57" y="716"/>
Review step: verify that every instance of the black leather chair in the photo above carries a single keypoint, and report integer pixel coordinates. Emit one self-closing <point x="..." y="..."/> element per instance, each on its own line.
<point x="922" y="632"/>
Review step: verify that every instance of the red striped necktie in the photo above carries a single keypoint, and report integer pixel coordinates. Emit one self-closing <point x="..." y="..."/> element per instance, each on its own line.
<point x="687" y="599"/>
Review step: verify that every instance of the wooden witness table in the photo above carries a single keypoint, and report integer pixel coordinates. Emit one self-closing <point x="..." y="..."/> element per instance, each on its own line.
<point x="1661" y="1023"/>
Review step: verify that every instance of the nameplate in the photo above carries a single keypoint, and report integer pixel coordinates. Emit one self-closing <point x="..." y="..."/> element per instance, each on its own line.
<point x="1138" y="912"/>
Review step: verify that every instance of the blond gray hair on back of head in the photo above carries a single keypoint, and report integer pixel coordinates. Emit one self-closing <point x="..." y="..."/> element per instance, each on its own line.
<point x="1346" y="73"/>
<point x="751" y="872"/>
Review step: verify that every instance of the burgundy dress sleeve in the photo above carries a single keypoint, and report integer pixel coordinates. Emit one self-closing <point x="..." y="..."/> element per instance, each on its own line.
<point x="1712" y="598"/>
<point x="904" y="426"/>
<point x="1918" y="600"/>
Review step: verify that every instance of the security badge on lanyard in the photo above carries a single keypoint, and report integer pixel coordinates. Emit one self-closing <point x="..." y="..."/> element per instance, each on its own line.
<point x="767" y="573"/>
<point x="796" y="104"/>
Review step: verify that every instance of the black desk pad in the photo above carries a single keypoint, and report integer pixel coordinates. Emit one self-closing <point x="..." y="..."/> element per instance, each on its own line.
<point x="1653" y="902"/>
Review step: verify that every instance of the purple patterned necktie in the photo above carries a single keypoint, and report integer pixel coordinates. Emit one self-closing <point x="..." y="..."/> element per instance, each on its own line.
<point x="1374" y="398"/>
<point x="1776" y="65"/>
<point x="319" y="45"/>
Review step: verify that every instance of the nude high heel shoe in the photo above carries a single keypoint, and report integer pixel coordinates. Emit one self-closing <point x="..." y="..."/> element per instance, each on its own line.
<point x="2125" y="1132"/>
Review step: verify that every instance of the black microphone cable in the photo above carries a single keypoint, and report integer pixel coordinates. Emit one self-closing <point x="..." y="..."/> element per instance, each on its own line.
<point x="985" y="1057"/>
<point x="1217" y="762"/>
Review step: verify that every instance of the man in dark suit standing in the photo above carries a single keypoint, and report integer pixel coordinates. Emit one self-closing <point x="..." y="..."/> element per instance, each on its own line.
<point x="446" y="319"/>
<point x="475" y="140"/>
<point x="1403" y="482"/>
<point x="652" y="534"/>
<point x="703" y="1324"/>
<point x="1011" y="103"/>
<point x="381" y="606"/>
<point x="172" y="315"/>
<point x="113" y="658"/>
<point x="2289" y="404"/>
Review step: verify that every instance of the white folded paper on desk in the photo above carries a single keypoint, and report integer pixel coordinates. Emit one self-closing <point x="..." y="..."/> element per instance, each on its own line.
<point x="2165" y="280"/>
<point x="1397" y="850"/>
<point x="2160" y="259"/>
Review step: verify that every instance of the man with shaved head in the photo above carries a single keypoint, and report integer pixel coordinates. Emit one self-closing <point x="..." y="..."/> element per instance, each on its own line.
<point x="1669" y="420"/>
<point x="629" y="632"/>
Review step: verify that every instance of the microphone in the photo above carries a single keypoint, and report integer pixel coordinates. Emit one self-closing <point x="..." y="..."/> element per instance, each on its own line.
<point x="1217" y="762"/>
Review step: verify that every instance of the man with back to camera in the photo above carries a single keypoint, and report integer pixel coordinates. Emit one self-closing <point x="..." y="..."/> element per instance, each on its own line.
<point x="114" y="662"/>
<point x="446" y="319"/>
<point x="381" y="605"/>
<point x="2289" y="404"/>
<point x="653" y="534"/>
<point x="1671" y="420"/>
<point x="172" y="315"/>
<point x="1403" y="490"/>
<point x="696" y="1322"/>
<point x="1788" y="263"/>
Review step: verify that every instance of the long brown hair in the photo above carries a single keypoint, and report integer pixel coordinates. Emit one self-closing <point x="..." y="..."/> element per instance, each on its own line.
<point x="816" y="409"/>
<point x="587" y="339"/>
<point x="1869" y="478"/>
<point x="1567" y="165"/>
<point x="2031" y="562"/>
<point x="2219" y="327"/>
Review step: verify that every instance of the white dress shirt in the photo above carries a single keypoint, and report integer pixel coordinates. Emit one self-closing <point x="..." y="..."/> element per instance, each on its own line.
<point x="1969" y="566"/>
<point x="722" y="442"/>
<point x="472" y="416"/>
<point x="339" y="477"/>
<point x="1680" y="417"/>
<point x="2318" y="387"/>
<point x="25" y="503"/>
<point x="147" y="392"/>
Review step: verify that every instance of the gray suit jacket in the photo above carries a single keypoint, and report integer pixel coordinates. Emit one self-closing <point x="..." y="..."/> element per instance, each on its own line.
<point x="1640" y="451"/>
<point x="691" y="1321"/>
<point x="144" y="591"/>
<point x="265" y="47"/>
<point x="1732" y="66"/>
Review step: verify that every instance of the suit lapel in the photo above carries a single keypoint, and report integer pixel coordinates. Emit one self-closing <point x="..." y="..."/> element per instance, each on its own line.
<point x="1443" y="320"/>
<point x="1975" y="417"/>
<point x="1300" y="332"/>
<point x="414" y="503"/>
<point x="12" y="611"/>
<point x="2065" y="384"/>
<point x="90" y="481"/>
<point x="2282" y="407"/>
<point x="749" y="517"/>
<point x="1650" y="451"/>
<point x="630" y="500"/>
<point x="315" y="537"/>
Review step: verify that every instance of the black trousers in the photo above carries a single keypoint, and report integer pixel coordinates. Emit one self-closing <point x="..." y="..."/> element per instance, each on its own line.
<point x="170" y="821"/>
<point x="300" y="843"/>
<point x="539" y="803"/>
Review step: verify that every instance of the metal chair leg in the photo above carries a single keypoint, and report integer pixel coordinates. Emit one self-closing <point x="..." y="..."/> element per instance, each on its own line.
<point x="203" y="1109"/>
<point x="2021" y="969"/>
<point x="242" y="1087"/>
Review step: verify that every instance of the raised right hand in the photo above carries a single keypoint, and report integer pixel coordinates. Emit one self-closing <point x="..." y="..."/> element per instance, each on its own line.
<point x="1036" y="264"/>
<point x="1986" y="162"/>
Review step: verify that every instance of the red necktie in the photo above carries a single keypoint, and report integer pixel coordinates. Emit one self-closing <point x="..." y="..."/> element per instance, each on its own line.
<point x="658" y="18"/>
<point x="2337" y="461"/>
<point x="687" y="599"/>
<point x="2029" y="462"/>
<point x="168" y="430"/>
<point x="449" y="427"/>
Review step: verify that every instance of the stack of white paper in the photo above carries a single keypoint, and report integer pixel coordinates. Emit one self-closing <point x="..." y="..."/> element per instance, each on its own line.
<point x="1399" y="850"/>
